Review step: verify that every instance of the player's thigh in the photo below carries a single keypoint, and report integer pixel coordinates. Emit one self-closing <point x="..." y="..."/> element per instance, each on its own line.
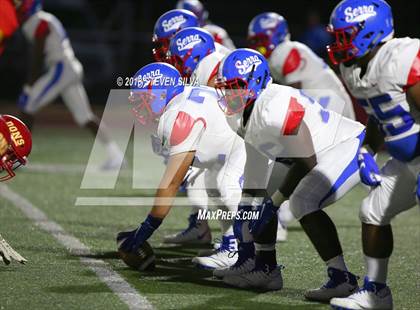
<point x="395" y="194"/>
<point x="334" y="175"/>
<point x="76" y="100"/>
<point x="196" y="189"/>
<point x="46" y="88"/>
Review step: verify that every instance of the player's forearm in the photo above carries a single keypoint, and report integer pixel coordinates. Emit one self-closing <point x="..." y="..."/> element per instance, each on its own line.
<point x="164" y="200"/>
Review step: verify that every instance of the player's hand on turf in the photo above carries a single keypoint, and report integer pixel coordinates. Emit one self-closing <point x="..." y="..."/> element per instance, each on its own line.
<point x="368" y="169"/>
<point x="267" y="210"/>
<point x="7" y="253"/>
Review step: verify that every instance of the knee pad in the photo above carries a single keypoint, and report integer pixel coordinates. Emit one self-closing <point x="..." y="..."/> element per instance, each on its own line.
<point x="301" y="206"/>
<point x="371" y="213"/>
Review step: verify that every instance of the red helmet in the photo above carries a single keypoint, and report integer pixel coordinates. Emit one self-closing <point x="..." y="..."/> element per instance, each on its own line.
<point x="19" y="139"/>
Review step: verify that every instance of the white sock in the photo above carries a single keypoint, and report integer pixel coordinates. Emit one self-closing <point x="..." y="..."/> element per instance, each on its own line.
<point x="285" y="215"/>
<point x="376" y="269"/>
<point x="337" y="263"/>
<point x="226" y="227"/>
<point x="112" y="149"/>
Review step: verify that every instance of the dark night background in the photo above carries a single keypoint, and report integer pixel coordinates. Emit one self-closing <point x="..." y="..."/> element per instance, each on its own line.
<point x="113" y="38"/>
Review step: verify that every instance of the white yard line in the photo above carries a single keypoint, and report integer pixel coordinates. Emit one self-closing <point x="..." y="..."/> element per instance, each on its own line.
<point x="103" y="270"/>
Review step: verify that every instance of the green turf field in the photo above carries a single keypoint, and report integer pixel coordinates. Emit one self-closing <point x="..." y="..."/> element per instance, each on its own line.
<point x="55" y="279"/>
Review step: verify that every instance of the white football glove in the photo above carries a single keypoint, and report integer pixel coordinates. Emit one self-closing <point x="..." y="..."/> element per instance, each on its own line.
<point x="7" y="253"/>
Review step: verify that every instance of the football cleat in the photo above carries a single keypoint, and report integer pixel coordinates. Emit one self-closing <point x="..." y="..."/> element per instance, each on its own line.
<point x="223" y="257"/>
<point x="237" y="269"/>
<point x="264" y="279"/>
<point x="245" y="262"/>
<point x="371" y="296"/>
<point x="197" y="232"/>
<point x="340" y="284"/>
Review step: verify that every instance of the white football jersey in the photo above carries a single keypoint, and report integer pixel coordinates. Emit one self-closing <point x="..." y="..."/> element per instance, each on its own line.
<point x="57" y="45"/>
<point x="192" y="121"/>
<point x="382" y="89"/>
<point x="285" y="123"/>
<point x="293" y="62"/>
<point x="220" y="36"/>
<point x="207" y="68"/>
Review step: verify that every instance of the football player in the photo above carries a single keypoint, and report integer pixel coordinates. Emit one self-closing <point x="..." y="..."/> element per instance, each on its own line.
<point x="383" y="74"/>
<point x="15" y="146"/>
<point x="321" y="146"/>
<point x="51" y="47"/>
<point x="195" y="132"/>
<point x="192" y="51"/>
<point x="8" y="22"/>
<point x="293" y="63"/>
<point x="167" y="25"/>
<point x="219" y="34"/>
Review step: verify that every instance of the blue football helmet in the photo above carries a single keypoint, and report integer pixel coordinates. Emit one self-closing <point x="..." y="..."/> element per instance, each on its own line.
<point x="188" y="47"/>
<point x="166" y="26"/>
<point x="196" y="7"/>
<point x="154" y="86"/>
<point x="243" y="75"/>
<point x="358" y="26"/>
<point x="266" y="31"/>
<point x="26" y="8"/>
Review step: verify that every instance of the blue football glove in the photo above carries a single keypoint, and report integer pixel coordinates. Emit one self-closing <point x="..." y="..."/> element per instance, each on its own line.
<point x="23" y="98"/>
<point x="135" y="238"/>
<point x="368" y="169"/>
<point x="418" y="189"/>
<point x="266" y="212"/>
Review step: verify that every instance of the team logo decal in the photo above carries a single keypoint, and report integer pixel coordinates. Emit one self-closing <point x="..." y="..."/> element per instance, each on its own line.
<point x="245" y="66"/>
<point x="15" y="133"/>
<point x="152" y="76"/>
<point x="173" y="23"/>
<point x="188" y="42"/>
<point x="360" y="13"/>
<point x="268" y="23"/>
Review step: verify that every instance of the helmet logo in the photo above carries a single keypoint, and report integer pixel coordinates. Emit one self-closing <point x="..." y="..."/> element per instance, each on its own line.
<point x="151" y="76"/>
<point x="173" y="23"/>
<point x="268" y="23"/>
<point x="245" y="66"/>
<point x="359" y="14"/>
<point x="188" y="42"/>
<point x="15" y="133"/>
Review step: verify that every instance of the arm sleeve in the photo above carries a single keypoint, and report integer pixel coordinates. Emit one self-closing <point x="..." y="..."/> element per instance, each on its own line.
<point x="186" y="133"/>
<point x="42" y="30"/>
<point x="292" y="66"/>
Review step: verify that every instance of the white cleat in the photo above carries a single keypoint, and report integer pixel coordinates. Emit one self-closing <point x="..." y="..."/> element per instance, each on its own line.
<point x="260" y="279"/>
<point x="114" y="163"/>
<point x="237" y="269"/>
<point x="340" y="284"/>
<point x="281" y="233"/>
<point x="223" y="257"/>
<point x="369" y="297"/>
<point x="198" y="232"/>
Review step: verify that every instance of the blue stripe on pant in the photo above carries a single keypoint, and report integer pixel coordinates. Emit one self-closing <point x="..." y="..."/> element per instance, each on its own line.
<point x="56" y="77"/>
<point x="352" y="167"/>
